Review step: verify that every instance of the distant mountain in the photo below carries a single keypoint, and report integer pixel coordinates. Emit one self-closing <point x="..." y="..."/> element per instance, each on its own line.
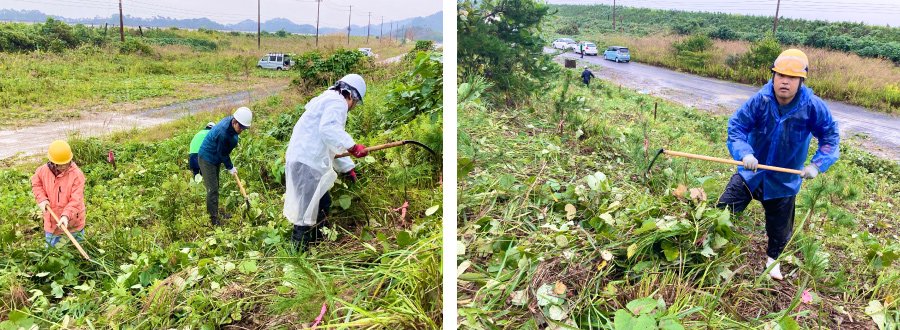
<point x="428" y="27"/>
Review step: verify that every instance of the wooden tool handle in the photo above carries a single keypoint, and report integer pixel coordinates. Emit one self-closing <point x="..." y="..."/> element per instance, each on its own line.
<point x="66" y="230"/>
<point x="240" y="185"/>
<point x="729" y="161"/>
<point x="375" y="148"/>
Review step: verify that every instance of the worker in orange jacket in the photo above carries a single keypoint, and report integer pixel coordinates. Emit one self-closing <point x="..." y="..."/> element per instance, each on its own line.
<point x="59" y="186"/>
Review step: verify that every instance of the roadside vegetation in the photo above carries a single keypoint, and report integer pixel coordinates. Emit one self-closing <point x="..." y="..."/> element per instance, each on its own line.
<point x="561" y="227"/>
<point x="157" y="264"/>
<point x="55" y="71"/>
<point x="849" y="62"/>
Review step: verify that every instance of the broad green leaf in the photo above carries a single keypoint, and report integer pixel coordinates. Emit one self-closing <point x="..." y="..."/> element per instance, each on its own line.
<point x="623" y="320"/>
<point x="344" y="201"/>
<point x="404" y="239"/>
<point x="641" y="306"/>
<point x="670" y="250"/>
<point x="644" y="322"/>
<point x="247" y="266"/>
<point x="788" y="323"/>
<point x="556" y="313"/>
<point x="670" y="323"/>
<point x="431" y="210"/>
<point x="562" y="241"/>
<point x="56" y="290"/>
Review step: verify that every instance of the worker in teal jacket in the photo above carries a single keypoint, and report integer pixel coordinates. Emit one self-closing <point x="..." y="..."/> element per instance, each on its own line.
<point x="215" y="151"/>
<point x="774" y="128"/>
<point x="193" y="158"/>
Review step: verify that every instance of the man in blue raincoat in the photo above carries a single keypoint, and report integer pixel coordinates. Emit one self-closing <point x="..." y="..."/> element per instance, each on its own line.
<point x="774" y="128"/>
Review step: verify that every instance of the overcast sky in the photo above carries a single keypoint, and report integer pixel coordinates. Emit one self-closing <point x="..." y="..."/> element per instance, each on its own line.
<point x="875" y="12"/>
<point x="333" y="12"/>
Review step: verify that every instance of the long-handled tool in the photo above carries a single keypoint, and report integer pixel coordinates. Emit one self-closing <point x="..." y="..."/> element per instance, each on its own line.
<point x="66" y="230"/>
<point x="718" y="160"/>
<point x="243" y="192"/>
<point x="391" y="145"/>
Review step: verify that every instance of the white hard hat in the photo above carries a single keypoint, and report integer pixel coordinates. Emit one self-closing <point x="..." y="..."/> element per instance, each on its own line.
<point x="356" y="81"/>
<point x="243" y="116"/>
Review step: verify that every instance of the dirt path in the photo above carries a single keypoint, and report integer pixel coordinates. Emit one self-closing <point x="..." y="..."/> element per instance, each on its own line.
<point x="879" y="133"/>
<point x="33" y="140"/>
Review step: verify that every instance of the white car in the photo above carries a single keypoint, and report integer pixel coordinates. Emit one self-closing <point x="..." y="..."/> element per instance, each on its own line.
<point x="367" y="51"/>
<point x="563" y="43"/>
<point x="589" y="48"/>
<point x="277" y="61"/>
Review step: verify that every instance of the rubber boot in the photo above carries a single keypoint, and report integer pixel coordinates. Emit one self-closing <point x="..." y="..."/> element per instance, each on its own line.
<point x="775" y="273"/>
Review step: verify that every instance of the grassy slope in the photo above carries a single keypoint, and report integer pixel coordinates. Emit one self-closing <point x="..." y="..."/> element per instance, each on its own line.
<point x="868" y="82"/>
<point x="159" y="265"/>
<point x="532" y="161"/>
<point x="102" y="79"/>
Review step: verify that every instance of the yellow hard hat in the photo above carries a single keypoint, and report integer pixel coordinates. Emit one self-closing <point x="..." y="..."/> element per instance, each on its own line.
<point x="60" y="152"/>
<point x="791" y="62"/>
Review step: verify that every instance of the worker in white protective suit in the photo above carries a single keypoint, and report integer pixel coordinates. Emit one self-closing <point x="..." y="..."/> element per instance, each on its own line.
<point x="310" y="165"/>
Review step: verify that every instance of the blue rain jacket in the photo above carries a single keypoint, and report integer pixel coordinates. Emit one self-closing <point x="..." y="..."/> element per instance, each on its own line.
<point x="218" y="144"/>
<point x="758" y="128"/>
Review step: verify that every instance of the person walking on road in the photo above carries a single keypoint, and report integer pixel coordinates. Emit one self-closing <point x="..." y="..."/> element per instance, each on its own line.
<point x="215" y="151"/>
<point x="581" y="49"/>
<point x="586" y="76"/>
<point x="58" y="185"/>
<point x="774" y="127"/>
<point x="193" y="158"/>
<point x="310" y="164"/>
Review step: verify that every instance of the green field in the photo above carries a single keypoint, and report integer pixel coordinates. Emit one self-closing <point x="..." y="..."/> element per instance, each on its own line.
<point x="157" y="264"/>
<point x="54" y="71"/>
<point x="559" y="227"/>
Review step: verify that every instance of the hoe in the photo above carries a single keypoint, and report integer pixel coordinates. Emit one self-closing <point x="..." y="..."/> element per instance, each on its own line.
<point x="714" y="159"/>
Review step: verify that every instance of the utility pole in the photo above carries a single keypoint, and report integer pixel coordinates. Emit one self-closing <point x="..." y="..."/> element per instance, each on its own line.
<point x="391" y="34"/>
<point x="614" y="15"/>
<point x="369" y="30"/>
<point x="318" y="6"/>
<point x="381" y="34"/>
<point x="348" y="24"/>
<point x="121" y="23"/>
<point x="775" y="25"/>
<point x="258" y="24"/>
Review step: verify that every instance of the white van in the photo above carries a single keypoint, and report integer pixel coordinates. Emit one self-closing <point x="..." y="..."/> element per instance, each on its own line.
<point x="277" y="61"/>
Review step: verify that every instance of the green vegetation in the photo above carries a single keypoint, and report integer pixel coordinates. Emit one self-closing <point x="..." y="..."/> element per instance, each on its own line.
<point x="738" y="48"/>
<point x="158" y="265"/>
<point x="863" y="40"/>
<point x="559" y="226"/>
<point x="54" y="71"/>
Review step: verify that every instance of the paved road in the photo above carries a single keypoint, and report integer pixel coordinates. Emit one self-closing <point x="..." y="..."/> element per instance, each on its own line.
<point x="881" y="131"/>
<point x="34" y="140"/>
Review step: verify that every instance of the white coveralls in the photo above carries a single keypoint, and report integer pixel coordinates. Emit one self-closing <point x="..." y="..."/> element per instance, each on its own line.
<point x="310" y="165"/>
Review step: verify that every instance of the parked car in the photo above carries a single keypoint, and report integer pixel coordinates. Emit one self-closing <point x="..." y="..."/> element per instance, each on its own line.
<point x="617" y="53"/>
<point x="589" y="48"/>
<point x="367" y="51"/>
<point x="277" y="61"/>
<point x="563" y="43"/>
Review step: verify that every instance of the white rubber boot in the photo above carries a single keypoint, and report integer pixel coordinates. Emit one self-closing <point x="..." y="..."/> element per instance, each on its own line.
<point x="775" y="273"/>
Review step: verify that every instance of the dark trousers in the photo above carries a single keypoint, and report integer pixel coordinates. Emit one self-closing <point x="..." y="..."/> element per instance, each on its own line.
<point x="210" y="174"/>
<point x="586" y="82"/>
<point x="303" y="235"/>
<point x="194" y="164"/>
<point x="779" y="212"/>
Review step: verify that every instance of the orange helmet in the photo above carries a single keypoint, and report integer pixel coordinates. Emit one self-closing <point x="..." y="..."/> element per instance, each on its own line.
<point x="791" y="62"/>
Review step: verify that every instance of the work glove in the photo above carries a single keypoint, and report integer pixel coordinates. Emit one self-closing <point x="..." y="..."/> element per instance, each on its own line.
<point x="64" y="222"/>
<point x="750" y="162"/>
<point x="358" y="151"/>
<point x="43" y="205"/>
<point x="233" y="170"/>
<point x="809" y="172"/>
<point x="351" y="176"/>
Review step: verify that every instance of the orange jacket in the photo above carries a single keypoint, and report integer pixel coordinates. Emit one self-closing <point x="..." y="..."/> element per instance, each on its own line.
<point x="65" y="193"/>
